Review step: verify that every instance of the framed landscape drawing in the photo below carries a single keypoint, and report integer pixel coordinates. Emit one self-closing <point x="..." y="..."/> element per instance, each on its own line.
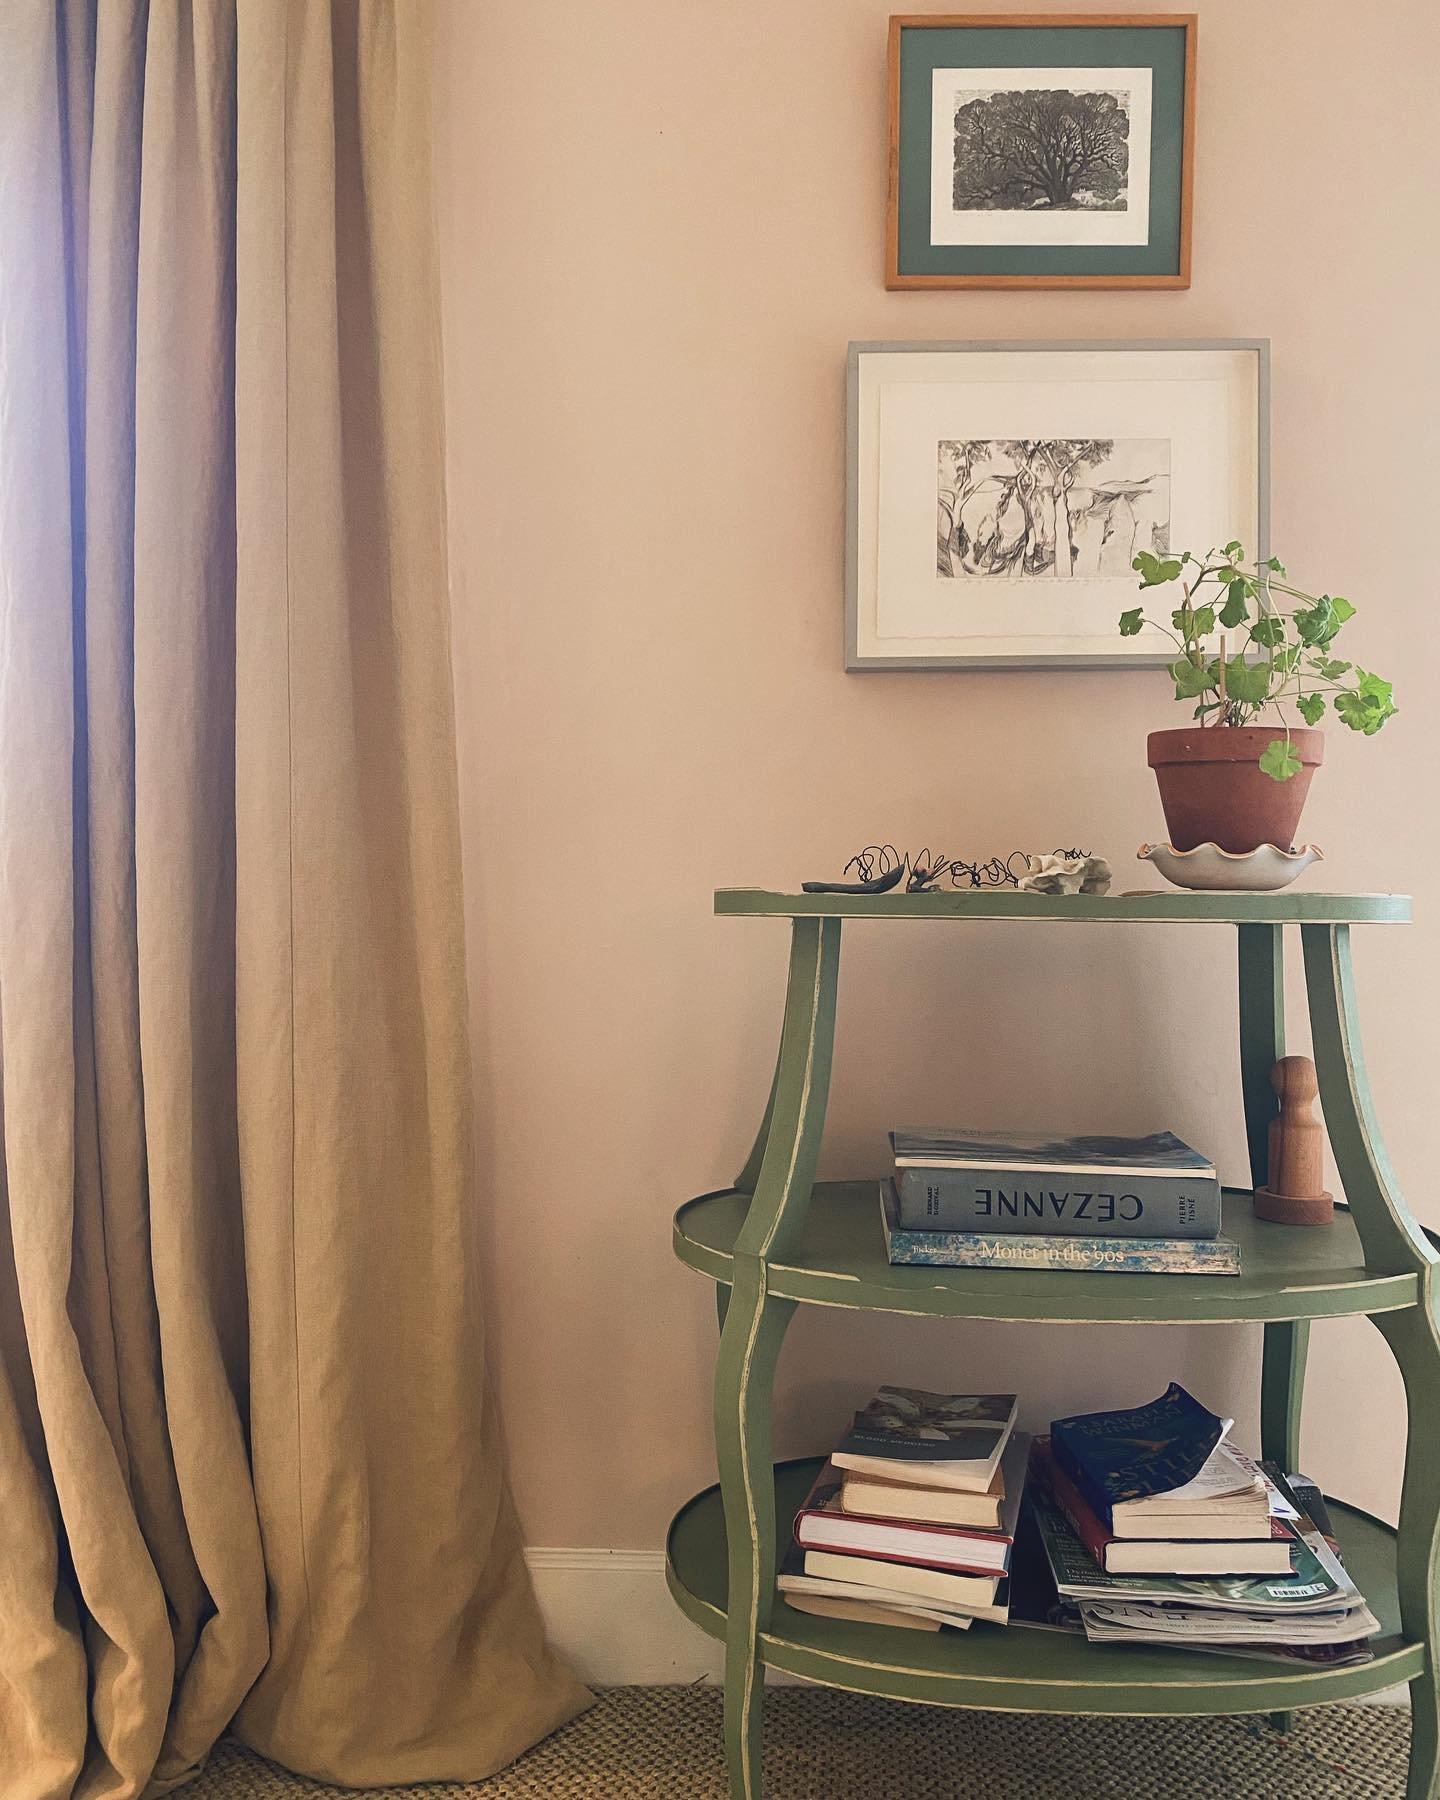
<point x="1041" y="151"/>
<point x="997" y="493"/>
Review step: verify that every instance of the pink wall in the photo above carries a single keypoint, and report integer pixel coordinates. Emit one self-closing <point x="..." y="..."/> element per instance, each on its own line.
<point x="661" y="223"/>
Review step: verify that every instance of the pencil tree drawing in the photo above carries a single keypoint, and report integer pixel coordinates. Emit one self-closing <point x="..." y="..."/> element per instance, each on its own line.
<point x="1054" y="507"/>
<point x="1041" y="150"/>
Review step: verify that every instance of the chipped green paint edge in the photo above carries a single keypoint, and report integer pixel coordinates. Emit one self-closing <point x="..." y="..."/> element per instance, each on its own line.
<point x="1162" y="908"/>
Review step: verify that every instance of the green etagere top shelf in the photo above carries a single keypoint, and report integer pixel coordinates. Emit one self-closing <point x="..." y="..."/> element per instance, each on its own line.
<point x="1161" y="908"/>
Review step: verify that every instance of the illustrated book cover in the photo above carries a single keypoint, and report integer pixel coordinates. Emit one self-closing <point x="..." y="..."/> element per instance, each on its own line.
<point x="934" y="1440"/>
<point x="1131" y="1453"/>
<point x="1160" y="1154"/>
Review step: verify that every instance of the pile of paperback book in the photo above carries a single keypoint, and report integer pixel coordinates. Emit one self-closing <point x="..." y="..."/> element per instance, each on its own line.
<point x="912" y="1520"/>
<point x="1158" y="1531"/>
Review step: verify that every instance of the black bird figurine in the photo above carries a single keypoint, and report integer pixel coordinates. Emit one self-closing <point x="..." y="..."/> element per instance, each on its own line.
<point x="878" y="884"/>
<point x="879" y="867"/>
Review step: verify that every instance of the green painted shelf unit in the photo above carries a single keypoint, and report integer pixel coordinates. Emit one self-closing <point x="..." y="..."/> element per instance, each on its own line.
<point x="778" y="1239"/>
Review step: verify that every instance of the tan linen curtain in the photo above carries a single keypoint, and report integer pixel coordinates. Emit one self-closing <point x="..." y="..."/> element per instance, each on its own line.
<point x="246" y="1466"/>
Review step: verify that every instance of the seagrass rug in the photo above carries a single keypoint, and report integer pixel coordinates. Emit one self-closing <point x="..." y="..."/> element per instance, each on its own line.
<point x="821" y="1744"/>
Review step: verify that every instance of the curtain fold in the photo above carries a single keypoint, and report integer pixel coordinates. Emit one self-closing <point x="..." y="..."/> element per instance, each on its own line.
<point x="248" y="1469"/>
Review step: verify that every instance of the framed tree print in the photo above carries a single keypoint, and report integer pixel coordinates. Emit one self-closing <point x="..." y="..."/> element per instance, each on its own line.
<point x="998" y="493"/>
<point x="1041" y="150"/>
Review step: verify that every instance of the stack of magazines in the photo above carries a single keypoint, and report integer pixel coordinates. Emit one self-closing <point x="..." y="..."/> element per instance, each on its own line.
<point x="1158" y="1531"/>
<point x="1030" y="1200"/>
<point x="912" y="1520"/>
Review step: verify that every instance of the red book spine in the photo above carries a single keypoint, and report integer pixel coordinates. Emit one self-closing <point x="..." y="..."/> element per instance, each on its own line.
<point x="1092" y="1534"/>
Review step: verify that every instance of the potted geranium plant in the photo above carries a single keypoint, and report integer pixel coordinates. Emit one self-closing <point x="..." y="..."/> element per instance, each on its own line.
<point x="1239" y="776"/>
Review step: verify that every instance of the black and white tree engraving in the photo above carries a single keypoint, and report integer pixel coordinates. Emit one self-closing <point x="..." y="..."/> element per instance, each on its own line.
<point x="1053" y="507"/>
<point x="1041" y="150"/>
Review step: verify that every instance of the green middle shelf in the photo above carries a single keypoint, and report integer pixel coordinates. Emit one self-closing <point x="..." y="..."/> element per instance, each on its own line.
<point x="1287" y="1273"/>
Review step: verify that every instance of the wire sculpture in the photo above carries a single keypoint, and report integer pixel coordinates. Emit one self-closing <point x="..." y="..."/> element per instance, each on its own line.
<point x="880" y="867"/>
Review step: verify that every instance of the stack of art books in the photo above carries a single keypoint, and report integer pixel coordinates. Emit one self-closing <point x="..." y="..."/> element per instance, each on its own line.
<point x="1028" y="1200"/>
<point x="1157" y="1531"/>
<point x="912" y="1520"/>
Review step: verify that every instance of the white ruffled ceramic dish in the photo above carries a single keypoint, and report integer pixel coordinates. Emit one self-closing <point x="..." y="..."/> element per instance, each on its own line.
<point x="1207" y="866"/>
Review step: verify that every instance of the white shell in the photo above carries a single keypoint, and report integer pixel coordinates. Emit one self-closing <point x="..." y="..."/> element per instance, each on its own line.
<point x="1208" y="866"/>
<point x="1065" y="875"/>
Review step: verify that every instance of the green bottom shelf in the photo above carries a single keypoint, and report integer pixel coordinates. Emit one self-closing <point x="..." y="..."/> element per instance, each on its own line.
<point x="1017" y="1669"/>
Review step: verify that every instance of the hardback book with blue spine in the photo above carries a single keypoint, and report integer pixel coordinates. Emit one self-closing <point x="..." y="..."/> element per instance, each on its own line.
<point x="1135" y="1451"/>
<point x="1028" y="1250"/>
<point x="1002" y="1200"/>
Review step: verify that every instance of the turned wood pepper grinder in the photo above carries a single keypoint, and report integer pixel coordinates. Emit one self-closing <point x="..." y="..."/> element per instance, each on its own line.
<point x="1292" y="1194"/>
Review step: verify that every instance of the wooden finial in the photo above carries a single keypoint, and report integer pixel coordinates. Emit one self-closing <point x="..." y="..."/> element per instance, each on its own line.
<point x="1293" y="1195"/>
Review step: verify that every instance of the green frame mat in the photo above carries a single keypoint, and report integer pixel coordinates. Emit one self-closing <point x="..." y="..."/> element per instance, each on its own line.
<point x="919" y="46"/>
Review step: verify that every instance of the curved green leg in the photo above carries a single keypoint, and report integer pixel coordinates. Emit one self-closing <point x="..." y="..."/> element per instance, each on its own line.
<point x="754" y="1328"/>
<point x="744" y="1378"/>
<point x="1394" y="1243"/>
<point x="1414" y="1341"/>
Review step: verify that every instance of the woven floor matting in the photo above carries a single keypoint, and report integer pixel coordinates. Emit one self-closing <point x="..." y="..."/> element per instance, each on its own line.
<point x="820" y="1744"/>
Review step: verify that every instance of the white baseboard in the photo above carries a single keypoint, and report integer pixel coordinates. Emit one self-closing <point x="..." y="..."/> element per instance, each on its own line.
<point x="610" y="1615"/>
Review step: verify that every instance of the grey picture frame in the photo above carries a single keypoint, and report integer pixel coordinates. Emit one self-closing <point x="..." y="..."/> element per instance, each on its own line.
<point x="858" y="663"/>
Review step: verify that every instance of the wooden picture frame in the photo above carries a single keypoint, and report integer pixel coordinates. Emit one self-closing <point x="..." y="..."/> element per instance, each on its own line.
<point x="968" y="464"/>
<point x="1053" y="242"/>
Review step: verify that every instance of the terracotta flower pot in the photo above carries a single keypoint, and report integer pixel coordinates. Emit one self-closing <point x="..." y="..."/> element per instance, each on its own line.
<point x="1215" y="792"/>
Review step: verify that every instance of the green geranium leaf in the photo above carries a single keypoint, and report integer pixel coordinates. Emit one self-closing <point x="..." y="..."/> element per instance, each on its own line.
<point x="1276" y="567"/>
<point x="1153" y="571"/>
<point x="1233" y="611"/>
<point x="1316" y="624"/>
<point x="1352" y="709"/>
<point x="1191" y="681"/>
<point x="1247" y="681"/>
<point x="1132" y="622"/>
<point x="1311" y="708"/>
<point x="1235" y="550"/>
<point x="1366" y="708"/>
<point x="1279" y="761"/>
<point x="1342" y="609"/>
<point x="1269" y="631"/>
<point x="1328" y="668"/>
